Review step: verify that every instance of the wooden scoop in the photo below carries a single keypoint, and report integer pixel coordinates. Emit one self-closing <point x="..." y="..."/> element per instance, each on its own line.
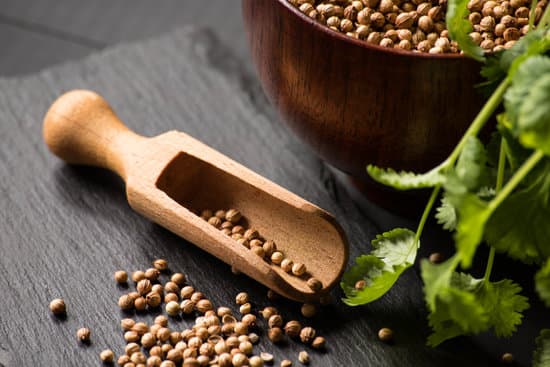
<point x="172" y="176"/>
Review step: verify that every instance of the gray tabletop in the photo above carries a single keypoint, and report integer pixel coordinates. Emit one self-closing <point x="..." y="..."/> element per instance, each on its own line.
<point x="64" y="230"/>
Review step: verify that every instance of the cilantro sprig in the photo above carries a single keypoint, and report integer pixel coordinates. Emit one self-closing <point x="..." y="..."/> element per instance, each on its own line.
<point x="497" y="194"/>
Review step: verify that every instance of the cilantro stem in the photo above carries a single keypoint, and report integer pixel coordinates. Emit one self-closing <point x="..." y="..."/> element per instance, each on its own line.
<point x="427" y="210"/>
<point x="520" y="174"/>
<point x="498" y="187"/>
<point x="532" y="14"/>
<point x="545" y="19"/>
<point x="482" y="117"/>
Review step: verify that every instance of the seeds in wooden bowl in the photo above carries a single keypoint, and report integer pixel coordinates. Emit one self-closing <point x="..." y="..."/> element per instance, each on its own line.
<point x="376" y="22"/>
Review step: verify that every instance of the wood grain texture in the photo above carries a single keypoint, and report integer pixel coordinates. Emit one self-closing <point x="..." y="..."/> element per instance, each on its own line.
<point x="65" y="230"/>
<point x="355" y="103"/>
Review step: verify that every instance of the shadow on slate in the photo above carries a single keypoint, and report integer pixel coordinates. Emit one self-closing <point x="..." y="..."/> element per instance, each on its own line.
<point x="65" y="230"/>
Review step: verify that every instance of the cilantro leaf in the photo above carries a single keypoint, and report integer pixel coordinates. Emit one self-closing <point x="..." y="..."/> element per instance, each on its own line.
<point x="406" y="180"/>
<point x="394" y="252"/>
<point x="446" y="214"/>
<point x="534" y="115"/>
<point x="542" y="283"/>
<point x="471" y="165"/>
<point x="436" y="278"/>
<point x="469" y="175"/>
<point x="534" y="43"/>
<point x="541" y="356"/>
<point x="459" y="28"/>
<point x="503" y="305"/>
<point x="519" y="226"/>
<point x="460" y="304"/>
<point x="457" y="311"/>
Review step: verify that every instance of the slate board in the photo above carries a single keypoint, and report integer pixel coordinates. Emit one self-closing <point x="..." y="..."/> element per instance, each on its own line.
<point x="65" y="230"/>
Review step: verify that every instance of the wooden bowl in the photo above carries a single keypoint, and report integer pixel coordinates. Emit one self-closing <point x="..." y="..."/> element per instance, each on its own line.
<point x="355" y="103"/>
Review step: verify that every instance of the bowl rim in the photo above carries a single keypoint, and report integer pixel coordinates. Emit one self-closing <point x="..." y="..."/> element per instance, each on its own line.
<point x="394" y="51"/>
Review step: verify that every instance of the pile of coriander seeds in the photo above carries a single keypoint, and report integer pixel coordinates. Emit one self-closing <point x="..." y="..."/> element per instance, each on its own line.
<point x="419" y="25"/>
<point x="228" y="222"/>
<point x="217" y="337"/>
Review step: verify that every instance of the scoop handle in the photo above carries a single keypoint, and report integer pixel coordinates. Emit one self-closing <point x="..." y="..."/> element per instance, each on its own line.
<point x="81" y="128"/>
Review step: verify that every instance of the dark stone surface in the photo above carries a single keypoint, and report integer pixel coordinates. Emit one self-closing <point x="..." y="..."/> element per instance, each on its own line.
<point x="65" y="230"/>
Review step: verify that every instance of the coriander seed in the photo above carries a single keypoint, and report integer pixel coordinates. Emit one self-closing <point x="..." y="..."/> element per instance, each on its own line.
<point x="246" y="347"/>
<point x="123" y="359"/>
<point x="137" y="276"/>
<point x="286" y="363"/>
<point x="275" y="321"/>
<point x="83" y="335"/>
<point x="131" y="348"/>
<point x="269" y="311"/>
<point x="275" y="334"/>
<point x="266" y="357"/>
<point x="255" y="361"/>
<point x="233" y="216"/>
<point x="204" y="305"/>
<point x="140" y="304"/>
<point x="318" y="343"/>
<point x="178" y="278"/>
<point x="127" y="324"/>
<point x="107" y="356"/>
<point x="286" y="265"/>
<point x="277" y="257"/>
<point x="251" y="234"/>
<point x="171" y="287"/>
<point x="245" y="309"/>
<point x="152" y="274"/>
<point x="171" y="297"/>
<point x="307" y="334"/>
<point x="121" y="277"/>
<point x="131" y="336"/>
<point x="314" y="284"/>
<point x="196" y="296"/>
<point x="187" y="292"/>
<point x="239" y="360"/>
<point x="437" y="257"/>
<point x="138" y="358"/>
<point x="308" y="310"/>
<point x="58" y="307"/>
<point x="160" y="264"/>
<point x="187" y="306"/>
<point x="507" y="358"/>
<point x="148" y="340"/>
<point x="154" y="361"/>
<point x="258" y="250"/>
<point x="144" y="286"/>
<point x="172" y="308"/>
<point x="298" y="269"/>
<point x="303" y="357"/>
<point x="167" y="364"/>
<point x="125" y="302"/>
<point x="241" y="298"/>
<point x="360" y="284"/>
<point x="215" y="221"/>
<point x="385" y="335"/>
<point x="153" y="299"/>
<point x="293" y="328"/>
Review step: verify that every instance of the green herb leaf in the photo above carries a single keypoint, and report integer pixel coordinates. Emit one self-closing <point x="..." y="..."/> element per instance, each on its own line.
<point x="394" y="252"/>
<point x="446" y="214"/>
<point x="541" y="356"/>
<point x="534" y="43"/>
<point x="534" y="116"/>
<point x="460" y="304"/>
<point x="542" y="283"/>
<point x="406" y="180"/>
<point x="469" y="175"/>
<point x="459" y="28"/>
<point x="437" y="278"/>
<point x="457" y="311"/>
<point x="471" y="165"/>
<point x="519" y="226"/>
<point x="503" y="305"/>
<point x="526" y="103"/>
